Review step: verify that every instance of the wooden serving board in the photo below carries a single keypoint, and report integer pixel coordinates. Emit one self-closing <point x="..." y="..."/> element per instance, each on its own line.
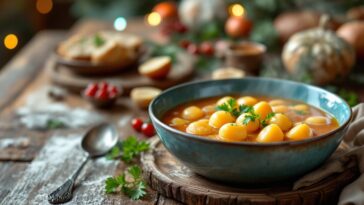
<point x="181" y="71"/>
<point x="165" y="174"/>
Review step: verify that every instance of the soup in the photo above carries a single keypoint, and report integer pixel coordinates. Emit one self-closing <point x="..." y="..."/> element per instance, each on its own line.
<point x="253" y="119"/>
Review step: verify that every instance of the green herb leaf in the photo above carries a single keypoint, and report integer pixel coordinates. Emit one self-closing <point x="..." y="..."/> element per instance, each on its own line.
<point x="246" y="109"/>
<point x="265" y="121"/>
<point x="248" y="118"/>
<point x="98" y="40"/>
<point x="230" y="106"/>
<point x="132" y="147"/>
<point x="135" y="188"/>
<point x="137" y="192"/>
<point x="111" y="185"/>
<point x="55" y="124"/>
<point x="128" y="149"/>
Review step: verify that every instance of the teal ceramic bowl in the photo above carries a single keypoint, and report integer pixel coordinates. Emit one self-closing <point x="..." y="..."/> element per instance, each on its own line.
<point x="249" y="162"/>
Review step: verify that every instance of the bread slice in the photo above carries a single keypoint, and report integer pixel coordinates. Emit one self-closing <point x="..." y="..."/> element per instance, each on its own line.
<point x="156" y="68"/>
<point x="226" y="73"/>
<point x="77" y="47"/>
<point x="111" y="54"/>
<point x="142" y="96"/>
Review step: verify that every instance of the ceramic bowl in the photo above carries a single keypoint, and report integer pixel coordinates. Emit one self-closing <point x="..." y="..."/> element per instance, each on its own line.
<point x="249" y="162"/>
<point x="247" y="56"/>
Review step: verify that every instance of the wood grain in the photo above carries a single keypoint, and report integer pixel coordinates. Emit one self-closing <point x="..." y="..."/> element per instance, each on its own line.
<point x="52" y="167"/>
<point x="11" y="172"/>
<point x="172" y="179"/>
<point x="26" y="74"/>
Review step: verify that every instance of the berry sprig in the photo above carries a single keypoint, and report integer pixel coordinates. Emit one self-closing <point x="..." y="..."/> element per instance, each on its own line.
<point x="101" y="91"/>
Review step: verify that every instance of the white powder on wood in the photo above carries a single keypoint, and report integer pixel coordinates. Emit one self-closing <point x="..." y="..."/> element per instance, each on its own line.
<point x="39" y="110"/>
<point x="58" y="159"/>
<point x="18" y="142"/>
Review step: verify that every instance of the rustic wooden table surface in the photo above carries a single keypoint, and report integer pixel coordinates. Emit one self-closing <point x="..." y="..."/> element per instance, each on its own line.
<point x="26" y="171"/>
<point x="27" y="174"/>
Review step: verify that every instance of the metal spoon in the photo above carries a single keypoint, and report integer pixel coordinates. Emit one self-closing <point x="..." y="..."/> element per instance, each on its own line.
<point x="97" y="142"/>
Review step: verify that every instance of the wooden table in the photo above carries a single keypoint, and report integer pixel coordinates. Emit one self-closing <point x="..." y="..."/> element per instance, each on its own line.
<point x="26" y="74"/>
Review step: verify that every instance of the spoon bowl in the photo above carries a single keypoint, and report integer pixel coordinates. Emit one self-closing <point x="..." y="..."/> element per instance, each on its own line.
<point x="100" y="139"/>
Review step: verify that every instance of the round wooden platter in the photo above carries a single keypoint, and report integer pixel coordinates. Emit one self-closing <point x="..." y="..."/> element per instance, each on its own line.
<point x="128" y="79"/>
<point x="165" y="174"/>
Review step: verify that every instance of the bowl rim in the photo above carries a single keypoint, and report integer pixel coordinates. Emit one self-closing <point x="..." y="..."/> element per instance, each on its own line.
<point x="250" y="144"/>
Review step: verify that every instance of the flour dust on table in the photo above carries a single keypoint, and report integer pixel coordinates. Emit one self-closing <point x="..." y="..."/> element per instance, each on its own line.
<point x="11" y="142"/>
<point x="59" y="158"/>
<point x="40" y="112"/>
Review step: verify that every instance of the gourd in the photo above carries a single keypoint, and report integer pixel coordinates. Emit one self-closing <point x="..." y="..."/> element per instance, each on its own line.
<point x="320" y="53"/>
<point x="195" y="13"/>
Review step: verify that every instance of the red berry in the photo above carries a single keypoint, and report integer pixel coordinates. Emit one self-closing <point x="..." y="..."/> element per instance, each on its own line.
<point x="148" y="129"/>
<point x="206" y="48"/>
<point x="102" y="95"/>
<point x="104" y="86"/>
<point x="91" y="90"/>
<point x="112" y="95"/>
<point x="192" y="48"/>
<point x="137" y="123"/>
<point x="184" y="44"/>
<point x="113" y="89"/>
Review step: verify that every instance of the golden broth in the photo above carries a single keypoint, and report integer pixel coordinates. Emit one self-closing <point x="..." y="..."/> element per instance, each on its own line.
<point x="290" y="108"/>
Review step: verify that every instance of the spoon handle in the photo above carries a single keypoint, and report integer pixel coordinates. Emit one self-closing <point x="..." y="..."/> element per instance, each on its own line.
<point x="64" y="193"/>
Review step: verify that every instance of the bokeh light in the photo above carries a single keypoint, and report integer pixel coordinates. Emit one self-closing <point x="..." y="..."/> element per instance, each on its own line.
<point x="10" y="41"/>
<point x="154" y="19"/>
<point x="236" y="10"/>
<point x="120" y="24"/>
<point x="44" y="6"/>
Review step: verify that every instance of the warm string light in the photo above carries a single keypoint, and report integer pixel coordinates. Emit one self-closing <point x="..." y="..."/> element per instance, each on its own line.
<point x="10" y="41"/>
<point x="44" y="6"/>
<point x="120" y="24"/>
<point x="154" y="19"/>
<point x="236" y="10"/>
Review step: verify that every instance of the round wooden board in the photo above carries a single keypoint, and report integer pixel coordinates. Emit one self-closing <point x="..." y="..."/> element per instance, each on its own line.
<point x="172" y="179"/>
<point x="181" y="71"/>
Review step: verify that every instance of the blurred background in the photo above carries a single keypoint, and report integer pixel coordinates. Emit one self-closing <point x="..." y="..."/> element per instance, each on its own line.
<point x="21" y="19"/>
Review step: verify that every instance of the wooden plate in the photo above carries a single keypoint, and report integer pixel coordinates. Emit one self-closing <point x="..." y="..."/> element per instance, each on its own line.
<point x="169" y="177"/>
<point x="88" y="68"/>
<point x="181" y="71"/>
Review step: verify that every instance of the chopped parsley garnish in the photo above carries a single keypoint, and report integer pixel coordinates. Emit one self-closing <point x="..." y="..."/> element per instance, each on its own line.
<point x="250" y="114"/>
<point x="133" y="186"/>
<point x="231" y="107"/>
